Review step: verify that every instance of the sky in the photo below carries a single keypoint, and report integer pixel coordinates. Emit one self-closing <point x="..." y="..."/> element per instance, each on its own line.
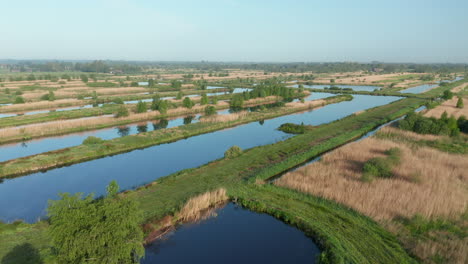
<point x="421" y="31"/>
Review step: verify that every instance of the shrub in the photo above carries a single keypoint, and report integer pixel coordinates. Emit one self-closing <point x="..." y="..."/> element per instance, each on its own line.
<point x="118" y="101"/>
<point x="210" y="110"/>
<point x="378" y="167"/>
<point x="19" y="100"/>
<point x="92" y="140"/>
<point x="292" y="128"/>
<point x="121" y="112"/>
<point x="214" y="100"/>
<point x="447" y="95"/>
<point x="48" y="97"/>
<point x="18" y="92"/>
<point x="188" y="103"/>
<point x="394" y="155"/>
<point x="204" y="99"/>
<point x="460" y="103"/>
<point x="141" y="107"/>
<point x="233" y="152"/>
<point x="179" y="95"/>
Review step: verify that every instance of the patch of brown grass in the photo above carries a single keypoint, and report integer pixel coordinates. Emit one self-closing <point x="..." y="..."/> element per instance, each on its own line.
<point x="193" y="208"/>
<point x="449" y="106"/>
<point x="427" y="182"/>
<point x="224" y="118"/>
<point x="40" y="105"/>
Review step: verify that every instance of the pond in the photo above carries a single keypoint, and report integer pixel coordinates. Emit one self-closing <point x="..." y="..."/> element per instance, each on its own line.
<point x="26" y="197"/>
<point x="234" y="235"/>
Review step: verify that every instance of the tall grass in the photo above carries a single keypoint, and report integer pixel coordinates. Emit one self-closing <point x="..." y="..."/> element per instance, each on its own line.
<point x="417" y="188"/>
<point x="193" y="209"/>
<point x="40" y="105"/>
<point x="449" y="106"/>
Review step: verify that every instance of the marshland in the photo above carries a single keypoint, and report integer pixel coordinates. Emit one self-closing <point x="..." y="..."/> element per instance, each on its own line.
<point x="233" y="132"/>
<point x="171" y="144"/>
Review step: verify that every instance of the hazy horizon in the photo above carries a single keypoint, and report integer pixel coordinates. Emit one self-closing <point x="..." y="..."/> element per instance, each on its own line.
<point x="236" y="31"/>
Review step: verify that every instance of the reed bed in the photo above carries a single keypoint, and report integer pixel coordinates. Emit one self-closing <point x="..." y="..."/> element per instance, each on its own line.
<point x="307" y="104"/>
<point x="224" y="118"/>
<point x="194" y="207"/>
<point x="449" y="106"/>
<point x="40" y="105"/>
<point x="438" y="190"/>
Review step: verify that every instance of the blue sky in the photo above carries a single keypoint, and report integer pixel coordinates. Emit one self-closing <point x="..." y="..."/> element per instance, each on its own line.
<point x="236" y="30"/>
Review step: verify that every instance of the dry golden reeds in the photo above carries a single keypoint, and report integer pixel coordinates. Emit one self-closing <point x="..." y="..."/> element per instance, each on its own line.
<point x="428" y="182"/>
<point x="40" y="105"/>
<point x="449" y="106"/>
<point x="224" y="118"/>
<point x="192" y="210"/>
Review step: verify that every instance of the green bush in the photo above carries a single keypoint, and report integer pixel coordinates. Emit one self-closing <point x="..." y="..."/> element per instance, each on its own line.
<point x="210" y="110"/>
<point x="292" y="128"/>
<point x="141" y="107"/>
<point x="118" y="101"/>
<point x="381" y="166"/>
<point x="233" y="152"/>
<point x="188" y="103"/>
<point x="460" y="103"/>
<point x="378" y="167"/>
<point x="204" y="99"/>
<point x="121" y="112"/>
<point x="447" y="95"/>
<point x="48" y="97"/>
<point x="19" y="100"/>
<point x="92" y="140"/>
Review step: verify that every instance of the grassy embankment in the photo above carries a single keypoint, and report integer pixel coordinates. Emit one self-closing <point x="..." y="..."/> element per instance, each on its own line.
<point x="83" y="153"/>
<point x="342" y="234"/>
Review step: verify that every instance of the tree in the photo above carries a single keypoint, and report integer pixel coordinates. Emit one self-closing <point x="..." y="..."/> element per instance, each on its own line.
<point x="204" y="99"/>
<point x="163" y="106"/>
<point x="460" y="103"/>
<point x="84" y="78"/>
<point x="179" y="96"/>
<point x="447" y="95"/>
<point x="176" y="84"/>
<point x="141" y="107"/>
<point x="94" y="95"/>
<point x="121" y="112"/>
<point x="50" y="96"/>
<point x="214" y="100"/>
<point x="19" y="100"/>
<point x="210" y="110"/>
<point x="106" y="230"/>
<point x="188" y="103"/>
<point x="233" y="152"/>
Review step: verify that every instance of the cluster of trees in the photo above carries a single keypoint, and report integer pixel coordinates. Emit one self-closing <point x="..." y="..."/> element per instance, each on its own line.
<point x="104" y="230"/>
<point x="159" y="105"/>
<point x="263" y="90"/>
<point x="219" y="68"/>
<point x="429" y="125"/>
